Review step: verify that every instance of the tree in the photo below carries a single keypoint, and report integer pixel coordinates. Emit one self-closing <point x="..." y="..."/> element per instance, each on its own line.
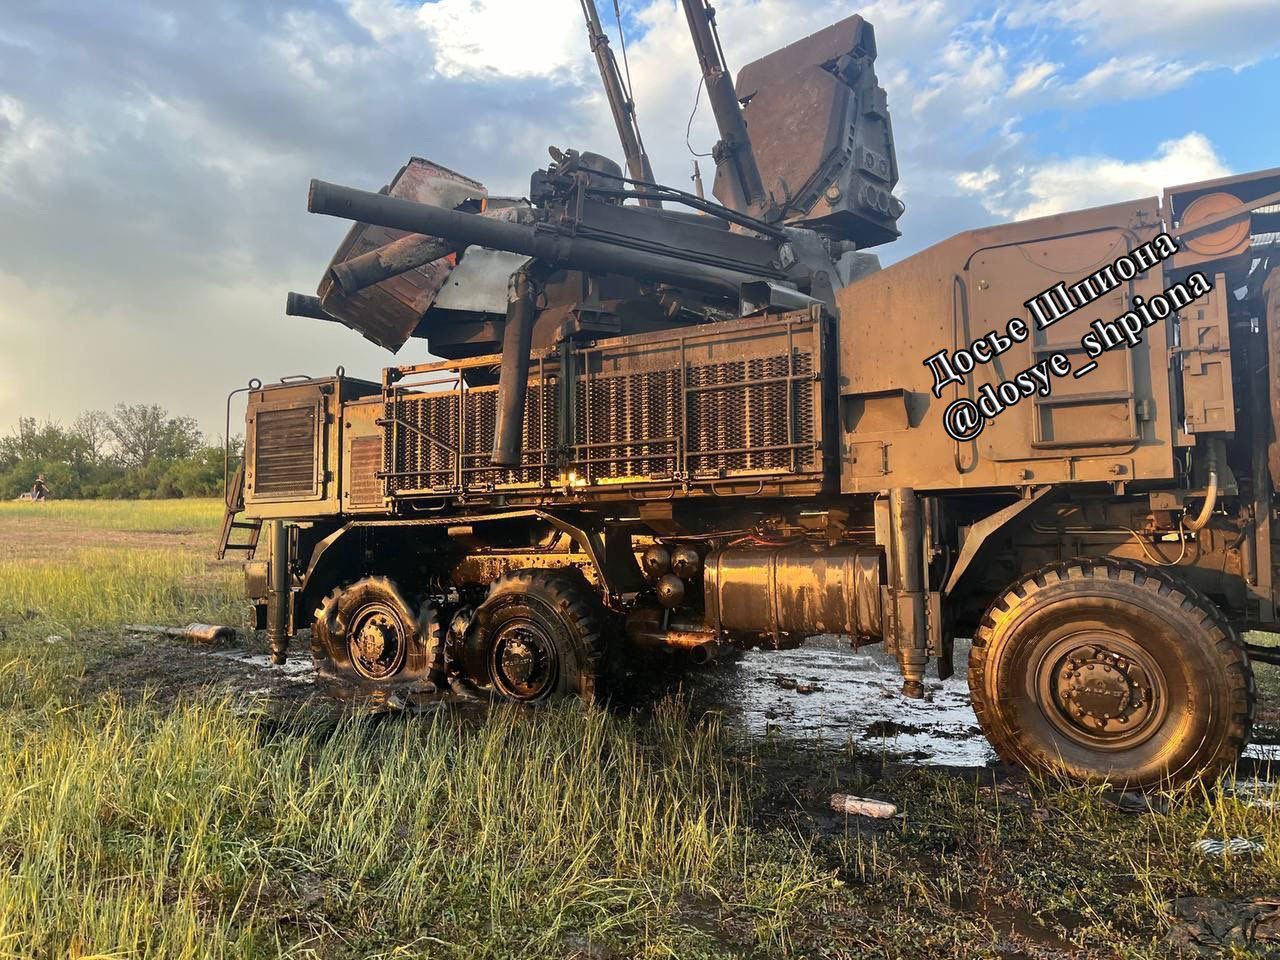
<point x="139" y="451"/>
<point x="46" y="442"/>
<point x="90" y="428"/>
<point x="144" y="433"/>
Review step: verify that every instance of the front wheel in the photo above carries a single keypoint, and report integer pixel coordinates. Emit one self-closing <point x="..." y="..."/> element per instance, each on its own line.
<point x="1110" y="671"/>
<point x="368" y="635"/>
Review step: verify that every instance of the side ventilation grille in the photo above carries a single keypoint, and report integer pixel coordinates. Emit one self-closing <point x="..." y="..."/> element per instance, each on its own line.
<point x="284" y="452"/>
<point x="366" y="461"/>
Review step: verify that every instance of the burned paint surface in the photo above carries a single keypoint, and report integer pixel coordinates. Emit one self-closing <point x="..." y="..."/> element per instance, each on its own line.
<point x="389" y="312"/>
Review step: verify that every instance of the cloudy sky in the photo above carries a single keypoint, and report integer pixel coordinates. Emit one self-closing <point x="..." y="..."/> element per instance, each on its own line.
<point x="154" y="157"/>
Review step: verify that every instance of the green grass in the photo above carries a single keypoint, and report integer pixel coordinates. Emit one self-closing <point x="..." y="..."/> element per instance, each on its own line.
<point x="215" y="826"/>
<point x="105" y="586"/>
<point x="128" y="833"/>
<point x="159" y="516"/>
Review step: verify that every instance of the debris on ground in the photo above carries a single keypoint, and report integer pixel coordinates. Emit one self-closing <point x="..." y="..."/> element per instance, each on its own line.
<point x="1256" y="793"/>
<point x="1232" y="846"/>
<point x="862" y="806"/>
<point x="1133" y="802"/>
<point x="1207" y="927"/>
<point x="195" y="632"/>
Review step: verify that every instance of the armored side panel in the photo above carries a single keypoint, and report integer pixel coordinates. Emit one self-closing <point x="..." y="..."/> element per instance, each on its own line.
<point x="1111" y="424"/>
<point x="389" y="312"/>
<point x="1271" y="295"/>
<point x="1204" y="341"/>
<point x="293" y="446"/>
<point x="363" y="490"/>
<point x="819" y="125"/>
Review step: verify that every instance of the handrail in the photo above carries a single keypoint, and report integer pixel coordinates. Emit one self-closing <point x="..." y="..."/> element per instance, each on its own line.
<point x="254" y="384"/>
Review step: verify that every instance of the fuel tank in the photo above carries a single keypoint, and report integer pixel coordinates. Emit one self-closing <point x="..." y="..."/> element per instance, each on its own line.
<point x="795" y="591"/>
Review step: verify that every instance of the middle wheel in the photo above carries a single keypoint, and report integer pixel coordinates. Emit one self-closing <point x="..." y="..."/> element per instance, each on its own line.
<point x="536" y="636"/>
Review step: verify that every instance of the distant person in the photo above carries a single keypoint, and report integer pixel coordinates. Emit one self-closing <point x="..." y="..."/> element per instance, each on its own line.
<point x="40" y="491"/>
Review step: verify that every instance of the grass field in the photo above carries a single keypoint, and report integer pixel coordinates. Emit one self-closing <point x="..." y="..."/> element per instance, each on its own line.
<point x="213" y="824"/>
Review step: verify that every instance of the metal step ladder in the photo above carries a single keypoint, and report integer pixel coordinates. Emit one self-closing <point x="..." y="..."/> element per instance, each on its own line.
<point x="234" y="507"/>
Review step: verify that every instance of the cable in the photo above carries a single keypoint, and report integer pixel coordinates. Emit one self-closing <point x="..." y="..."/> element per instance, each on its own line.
<point x="622" y="40"/>
<point x="688" y="130"/>
<point x="626" y="66"/>
<point x="1182" y="554"/>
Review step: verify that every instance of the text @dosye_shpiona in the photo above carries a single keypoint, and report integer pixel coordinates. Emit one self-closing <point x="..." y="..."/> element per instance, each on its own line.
<point x="966" y="417"/>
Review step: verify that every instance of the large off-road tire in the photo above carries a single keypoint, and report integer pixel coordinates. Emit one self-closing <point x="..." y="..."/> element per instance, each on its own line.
<point x="368" y="635"/>
<point x="1110" y="671"/>
<point x="536" y="637"/>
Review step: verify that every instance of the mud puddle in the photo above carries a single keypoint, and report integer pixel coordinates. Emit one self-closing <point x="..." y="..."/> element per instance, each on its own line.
<point x="838" y="696"/>
<point x="822" y="694"/>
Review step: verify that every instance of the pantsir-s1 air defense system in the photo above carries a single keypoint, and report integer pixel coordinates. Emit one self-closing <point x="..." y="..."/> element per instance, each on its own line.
<point x="683" y="425"/>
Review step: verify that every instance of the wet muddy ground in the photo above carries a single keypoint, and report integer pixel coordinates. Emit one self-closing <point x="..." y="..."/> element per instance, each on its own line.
<point x="994" y="855"/>
<point x="822" y="697"/>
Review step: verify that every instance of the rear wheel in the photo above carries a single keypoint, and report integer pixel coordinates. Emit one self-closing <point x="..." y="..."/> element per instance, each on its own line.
<point x="536" y="636"/>
<point x="367" y="634"/>
<point x="1110" y="671"/>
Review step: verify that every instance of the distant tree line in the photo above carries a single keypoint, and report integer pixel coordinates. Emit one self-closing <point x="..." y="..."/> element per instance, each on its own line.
<point x="138" y="451"/>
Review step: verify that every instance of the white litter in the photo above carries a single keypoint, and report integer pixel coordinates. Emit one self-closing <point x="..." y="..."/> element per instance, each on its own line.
<point x="1232" y="845"/>
<point x="862" y="807"/>
<point x="1256" y="793"/>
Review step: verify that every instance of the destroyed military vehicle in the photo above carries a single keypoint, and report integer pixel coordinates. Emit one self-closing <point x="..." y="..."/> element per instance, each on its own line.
<point x="664" y="422"/>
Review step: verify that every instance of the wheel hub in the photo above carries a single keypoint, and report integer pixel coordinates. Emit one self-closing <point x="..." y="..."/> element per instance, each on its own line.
<point x="376" y="644"/>
<point x="1104" y="693"/>
<point x="523" y="661"/>
<point x="1104" y="686"/>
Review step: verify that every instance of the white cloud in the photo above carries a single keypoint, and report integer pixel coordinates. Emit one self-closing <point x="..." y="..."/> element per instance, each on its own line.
<point x="1132" y="78"/>
<point x="1033" y="78"/>
<point x="1230" y="33"/>
<point x="32" y="146"/>
<point x="504" y="38"/>
<point x="977" y="181"/>
<point x="1147" y="51"/>
<point x="1093" y="181"/>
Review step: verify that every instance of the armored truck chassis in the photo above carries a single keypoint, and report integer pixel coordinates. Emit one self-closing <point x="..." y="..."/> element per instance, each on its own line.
<point x="676" y="434"/>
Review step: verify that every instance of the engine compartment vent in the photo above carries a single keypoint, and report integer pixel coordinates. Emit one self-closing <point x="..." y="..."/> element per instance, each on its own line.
<point x="285" y="460"/>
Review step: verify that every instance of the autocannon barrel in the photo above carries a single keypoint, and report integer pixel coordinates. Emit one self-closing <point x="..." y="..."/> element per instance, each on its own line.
<point x="302" y="305"/>
<point x="573" y="252"/>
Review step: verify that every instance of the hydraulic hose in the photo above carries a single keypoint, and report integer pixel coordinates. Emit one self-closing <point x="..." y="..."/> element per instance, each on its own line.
<point x="1210" y="496"/>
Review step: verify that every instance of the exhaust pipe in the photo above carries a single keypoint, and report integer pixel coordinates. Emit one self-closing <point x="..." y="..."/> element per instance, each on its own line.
<point x="513" y="378"/>
<point x="646" y="629"/>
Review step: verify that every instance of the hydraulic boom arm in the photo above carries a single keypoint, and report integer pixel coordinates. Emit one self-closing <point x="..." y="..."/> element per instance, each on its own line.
<point x="620" y="103"/>
<point x="738" y="182"/>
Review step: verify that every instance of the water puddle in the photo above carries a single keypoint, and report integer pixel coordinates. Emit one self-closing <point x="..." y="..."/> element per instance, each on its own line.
<point x="297" y="668"/>
<point x="836" y="694"/>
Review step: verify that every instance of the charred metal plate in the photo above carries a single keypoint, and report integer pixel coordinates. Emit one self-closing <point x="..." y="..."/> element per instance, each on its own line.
<point x="819" y="126"/>
<point x="389" y="312"/>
